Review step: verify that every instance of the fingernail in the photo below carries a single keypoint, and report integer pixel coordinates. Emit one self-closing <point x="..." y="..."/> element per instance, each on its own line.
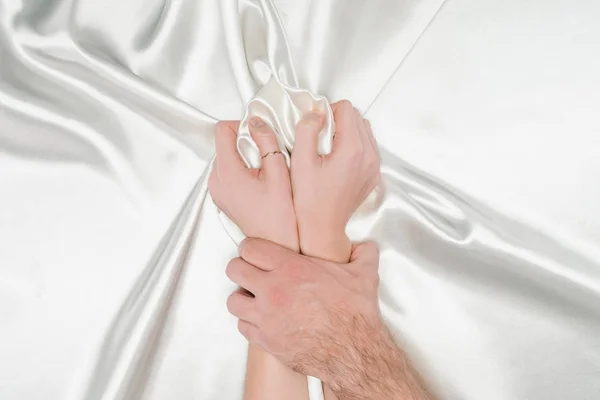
<point x="256" y="122"/>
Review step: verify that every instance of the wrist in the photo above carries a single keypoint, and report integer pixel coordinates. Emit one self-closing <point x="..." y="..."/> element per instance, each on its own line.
<point x="326" y="244"/>
<point x="284" y="233"/>
<point x="290" y="241"/>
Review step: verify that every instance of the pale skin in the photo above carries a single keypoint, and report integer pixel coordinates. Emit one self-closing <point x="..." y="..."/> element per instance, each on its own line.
<point x="267" y="192"/>
<point x="304" y="210"/>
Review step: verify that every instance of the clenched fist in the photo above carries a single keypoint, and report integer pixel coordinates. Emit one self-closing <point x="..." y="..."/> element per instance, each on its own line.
<point x="329" y="188"/>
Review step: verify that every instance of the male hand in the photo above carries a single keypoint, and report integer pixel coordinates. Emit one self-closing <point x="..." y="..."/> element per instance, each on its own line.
<point x="321" y="318"/>
<point x="258" y="201"/>
<point x="328" y="189"/>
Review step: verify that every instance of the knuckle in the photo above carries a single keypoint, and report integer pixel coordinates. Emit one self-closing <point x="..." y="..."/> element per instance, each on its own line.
<point x="346" y="105"/>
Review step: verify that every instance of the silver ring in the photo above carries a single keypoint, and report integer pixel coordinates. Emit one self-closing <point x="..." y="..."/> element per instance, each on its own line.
<point x="271" y="153"/>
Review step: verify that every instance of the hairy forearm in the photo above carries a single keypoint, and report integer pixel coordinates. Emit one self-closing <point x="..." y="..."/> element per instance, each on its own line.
<point x="332" y="246"/>
<point x="372" y="367"/>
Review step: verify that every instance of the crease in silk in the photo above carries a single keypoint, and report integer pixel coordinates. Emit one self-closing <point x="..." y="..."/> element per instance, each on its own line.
<point x="127" y="353"/>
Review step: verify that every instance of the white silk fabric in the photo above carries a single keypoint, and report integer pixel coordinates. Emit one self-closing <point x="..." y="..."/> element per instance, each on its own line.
<point x="112" y="255"/>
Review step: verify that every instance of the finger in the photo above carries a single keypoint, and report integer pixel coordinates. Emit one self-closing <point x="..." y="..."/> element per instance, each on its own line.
<point x="246" y="292"/>
<point x="242" y="306"/>
<point x="228" y="157"/>
<point x="245" y="275"/>
<point x="273" y="162"/>
<point x="264" y="254"/>
<point x="248" y="330"/>
<point x="307" y="137"/>
<point x="345" y="124"/>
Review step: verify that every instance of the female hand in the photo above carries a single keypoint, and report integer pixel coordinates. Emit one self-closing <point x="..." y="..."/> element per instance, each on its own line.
<point x="259" y="200"/>
<point x="328" y="189"/>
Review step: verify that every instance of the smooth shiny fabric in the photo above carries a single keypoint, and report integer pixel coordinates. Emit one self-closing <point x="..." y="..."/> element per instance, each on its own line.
<point x="112" y="254"/>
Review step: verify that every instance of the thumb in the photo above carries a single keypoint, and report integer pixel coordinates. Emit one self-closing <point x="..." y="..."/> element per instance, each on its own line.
<point x="365" y="255"/>
<point x="307" y="136"/>
<point x="265" y="254"/>
<point x="365" y="252"/>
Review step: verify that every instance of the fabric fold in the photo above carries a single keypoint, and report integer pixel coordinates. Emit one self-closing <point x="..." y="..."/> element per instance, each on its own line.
<point x="126" y="356"/>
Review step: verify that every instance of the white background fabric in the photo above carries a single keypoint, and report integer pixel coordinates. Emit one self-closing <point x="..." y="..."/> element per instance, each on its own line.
<point x="112" y="284"/>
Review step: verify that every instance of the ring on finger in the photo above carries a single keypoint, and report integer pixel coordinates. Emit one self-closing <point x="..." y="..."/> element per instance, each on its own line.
<point x="270" y="153"/>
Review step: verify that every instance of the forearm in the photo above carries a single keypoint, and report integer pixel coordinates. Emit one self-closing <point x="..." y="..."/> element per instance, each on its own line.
<point x="328" y="246"/>
<point x="374" y="368"/>
<point x="325" y="243"/>
<point x="268" y="378"/>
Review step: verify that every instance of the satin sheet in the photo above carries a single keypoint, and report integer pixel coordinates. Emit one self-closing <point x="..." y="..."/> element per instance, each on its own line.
<point x="112" y="255"/>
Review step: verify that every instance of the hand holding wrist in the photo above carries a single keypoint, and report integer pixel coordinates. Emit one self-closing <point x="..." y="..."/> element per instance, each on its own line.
<point x="323" y="319"/>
